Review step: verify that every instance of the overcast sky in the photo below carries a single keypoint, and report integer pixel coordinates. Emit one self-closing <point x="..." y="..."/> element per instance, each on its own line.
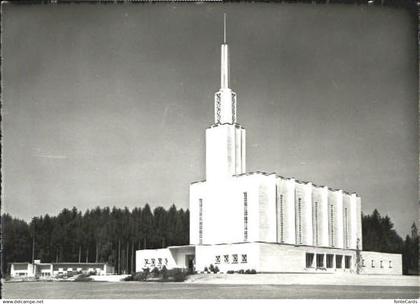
<point x="107" y="104"/>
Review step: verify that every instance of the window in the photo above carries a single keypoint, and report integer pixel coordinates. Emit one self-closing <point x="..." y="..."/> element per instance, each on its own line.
<point x="279" y="212"/>
<point x="363" y="263"/>
<point x="346" y="229"/>
<point x="309" y="259"/>
<point x="338" y="261"/>
<point x="372" y="264"/>
<point x="381" y="264"/>
<point x="281" y="219"/>
<point x="234" y="259"/>
<point x="159" y="261"/>
<point x="146" y="261"/>
<point x="390" y="264"/>
<point x="244" y="258"/>
<point x="245" y="216"/>
<point x="217" y="259"/>
<point x="347" y="261"/>
<point x="226" y="258"/>
<point x="234" y="107"/>
<point x="166" y="261"/>
<point x="200" y="219"/>
<point x="315" y="223"/>
<point x="299" y="221"/>
<point x="330" y="260"/>
<point x="153" y="262"/>
<point x="331" y="225"/>
<point x="319" y="260"/>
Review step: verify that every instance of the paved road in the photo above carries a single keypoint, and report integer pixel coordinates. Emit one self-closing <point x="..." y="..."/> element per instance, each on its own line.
<point x="142" y="290"/>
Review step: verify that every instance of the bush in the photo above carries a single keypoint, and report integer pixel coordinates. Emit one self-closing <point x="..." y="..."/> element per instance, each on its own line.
<point x="164" y="273"/>
<point x="211" y="268"/>
<point x="178" y="274"/>
<point x="241" y="271"/>
<point x="138" y="276"/>
<point x="253" y="271"/>
<point x="230" y="272"/>
<point x="216" y="269"/>
<point x="129" y="278"/>
<point x="155" y="272"/>
<point x="83" y="278"/>
<point x="206" y="270"/>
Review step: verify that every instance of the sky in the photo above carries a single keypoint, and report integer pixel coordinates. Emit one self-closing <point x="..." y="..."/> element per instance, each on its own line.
<point x="107" y="105"/>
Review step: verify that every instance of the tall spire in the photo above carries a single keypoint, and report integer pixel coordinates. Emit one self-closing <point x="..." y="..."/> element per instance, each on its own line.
<point x="224" y="28"/>
<point x="225" y="98"/>
<point x="224" y="76"/>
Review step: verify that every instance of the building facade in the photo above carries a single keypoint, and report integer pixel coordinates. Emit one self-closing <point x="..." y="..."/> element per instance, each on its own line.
<point x="264" y="221"/>
<point x="49" y="270"/>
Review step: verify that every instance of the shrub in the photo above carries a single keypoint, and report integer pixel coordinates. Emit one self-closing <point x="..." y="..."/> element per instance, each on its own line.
<point x="206" y="270"/>
<point x="138" y="276"/>
<point x="247" y="271"/>
<point x="253" y="271"/>
<point x="155" y="272"/>
<point x="129" y="278"/>
<point x="241" y="271"/>
<point x="164" y="273"/>
<point x="216" y="269"/>
<point x="178" y="274"/>
<point x="83" y="278"/>
<point x="211" y="268"/>
<point x="230" y="272"/>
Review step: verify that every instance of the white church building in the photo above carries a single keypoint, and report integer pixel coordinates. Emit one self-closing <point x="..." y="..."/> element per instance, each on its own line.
<point x="262" y="221"/>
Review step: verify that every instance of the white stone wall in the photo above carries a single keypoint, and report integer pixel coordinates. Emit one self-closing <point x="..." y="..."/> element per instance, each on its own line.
<point x="304" y="195"/>
<point x="266" y="206"/>
<point x="156" y="254"/>
<point x="21" y="270"/>
<point x="206" y="255"/>
<point x="320" y="196"/>
<point x="358" y="221"/>
<point x="223" y="210"/>
<point x="381" y="263"/>
<point x="225" y="151"/>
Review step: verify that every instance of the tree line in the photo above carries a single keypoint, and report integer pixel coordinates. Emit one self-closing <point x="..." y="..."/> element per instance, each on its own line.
<point x="97" y="235"/>
<point x="378" y="234"/>
<point x="113" y="236"/>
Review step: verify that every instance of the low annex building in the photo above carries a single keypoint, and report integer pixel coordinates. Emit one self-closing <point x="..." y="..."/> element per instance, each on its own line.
<point x="264" y="221"/>
<point x="48" y="270"/>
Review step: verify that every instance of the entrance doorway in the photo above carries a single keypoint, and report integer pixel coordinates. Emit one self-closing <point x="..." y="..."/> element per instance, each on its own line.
<point x="190" y="262"/>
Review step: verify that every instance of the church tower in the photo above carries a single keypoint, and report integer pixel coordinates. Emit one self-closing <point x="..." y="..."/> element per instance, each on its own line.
<point x="225" y="139"/>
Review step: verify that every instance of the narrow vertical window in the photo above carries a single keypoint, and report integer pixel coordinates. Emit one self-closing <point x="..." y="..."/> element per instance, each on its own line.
<point x="245" y="216"/>
<point x="346" y="229"/>
<point x="200" y="219"/>
<point x="315" y="223"/>
<point x="299" y="221"/>
<point x="331" y="225"/>
<point x="281" y="219"/>
<point x="279" y="215"/>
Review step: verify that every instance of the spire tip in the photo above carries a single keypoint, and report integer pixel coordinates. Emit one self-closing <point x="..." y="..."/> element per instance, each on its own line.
<point x="224" y="28"/>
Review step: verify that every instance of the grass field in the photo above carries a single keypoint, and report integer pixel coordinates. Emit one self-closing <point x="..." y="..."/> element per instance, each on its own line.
<point x="144" y="290"/>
